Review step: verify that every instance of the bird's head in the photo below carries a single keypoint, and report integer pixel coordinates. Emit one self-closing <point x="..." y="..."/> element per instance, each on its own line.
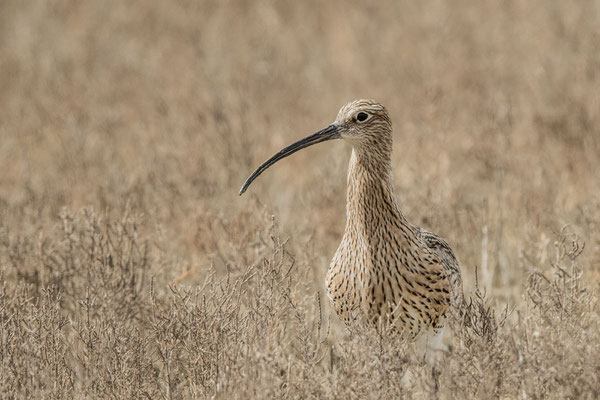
<point x="364" y="123"/>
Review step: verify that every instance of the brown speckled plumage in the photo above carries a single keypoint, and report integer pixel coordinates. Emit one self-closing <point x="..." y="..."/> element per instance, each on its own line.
<point x="384" y="266"/>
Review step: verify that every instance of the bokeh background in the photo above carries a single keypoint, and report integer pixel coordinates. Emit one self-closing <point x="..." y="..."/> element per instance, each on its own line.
<point x="139" y="121"/>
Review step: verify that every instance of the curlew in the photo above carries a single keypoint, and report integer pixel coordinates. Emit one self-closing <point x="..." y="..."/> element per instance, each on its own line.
<point x="385" y="268"/>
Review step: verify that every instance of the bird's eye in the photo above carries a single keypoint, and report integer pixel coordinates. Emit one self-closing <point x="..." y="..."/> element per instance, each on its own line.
<point x="362" y="116"/>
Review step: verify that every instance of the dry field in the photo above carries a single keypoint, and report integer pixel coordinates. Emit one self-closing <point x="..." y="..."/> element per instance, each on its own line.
<point x="131" y="268"/>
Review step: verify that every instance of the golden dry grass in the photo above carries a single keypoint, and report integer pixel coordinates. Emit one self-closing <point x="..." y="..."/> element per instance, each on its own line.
<point x="131" y="268"/>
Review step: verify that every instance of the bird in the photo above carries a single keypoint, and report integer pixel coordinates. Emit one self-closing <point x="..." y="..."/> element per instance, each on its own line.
<point x="385" y="268"/>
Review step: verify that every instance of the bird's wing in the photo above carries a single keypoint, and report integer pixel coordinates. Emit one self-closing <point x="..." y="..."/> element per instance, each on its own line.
<point x="447" y="260"/>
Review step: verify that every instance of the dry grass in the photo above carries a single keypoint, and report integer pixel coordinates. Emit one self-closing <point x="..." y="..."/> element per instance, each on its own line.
<point x="130" y="268"/>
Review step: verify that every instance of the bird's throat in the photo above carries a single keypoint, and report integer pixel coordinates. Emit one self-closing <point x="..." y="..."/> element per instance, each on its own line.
<point x="370" y="198"/>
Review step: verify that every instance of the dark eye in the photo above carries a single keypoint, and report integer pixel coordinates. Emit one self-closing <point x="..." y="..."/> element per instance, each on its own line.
<point x="362" y="116"/>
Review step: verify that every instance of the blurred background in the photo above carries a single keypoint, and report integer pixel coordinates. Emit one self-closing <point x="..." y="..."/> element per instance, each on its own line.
<point x="162" y="109"/>
<point x="169" y="106"/>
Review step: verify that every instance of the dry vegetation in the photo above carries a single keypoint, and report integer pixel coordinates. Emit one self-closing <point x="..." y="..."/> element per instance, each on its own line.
<point x="130" y="268"/>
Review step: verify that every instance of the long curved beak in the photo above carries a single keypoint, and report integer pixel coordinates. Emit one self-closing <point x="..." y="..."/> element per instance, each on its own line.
<point x="329" y="133"/>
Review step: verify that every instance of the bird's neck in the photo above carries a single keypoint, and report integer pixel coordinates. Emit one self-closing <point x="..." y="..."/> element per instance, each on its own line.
<point x="370" y="200"/>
